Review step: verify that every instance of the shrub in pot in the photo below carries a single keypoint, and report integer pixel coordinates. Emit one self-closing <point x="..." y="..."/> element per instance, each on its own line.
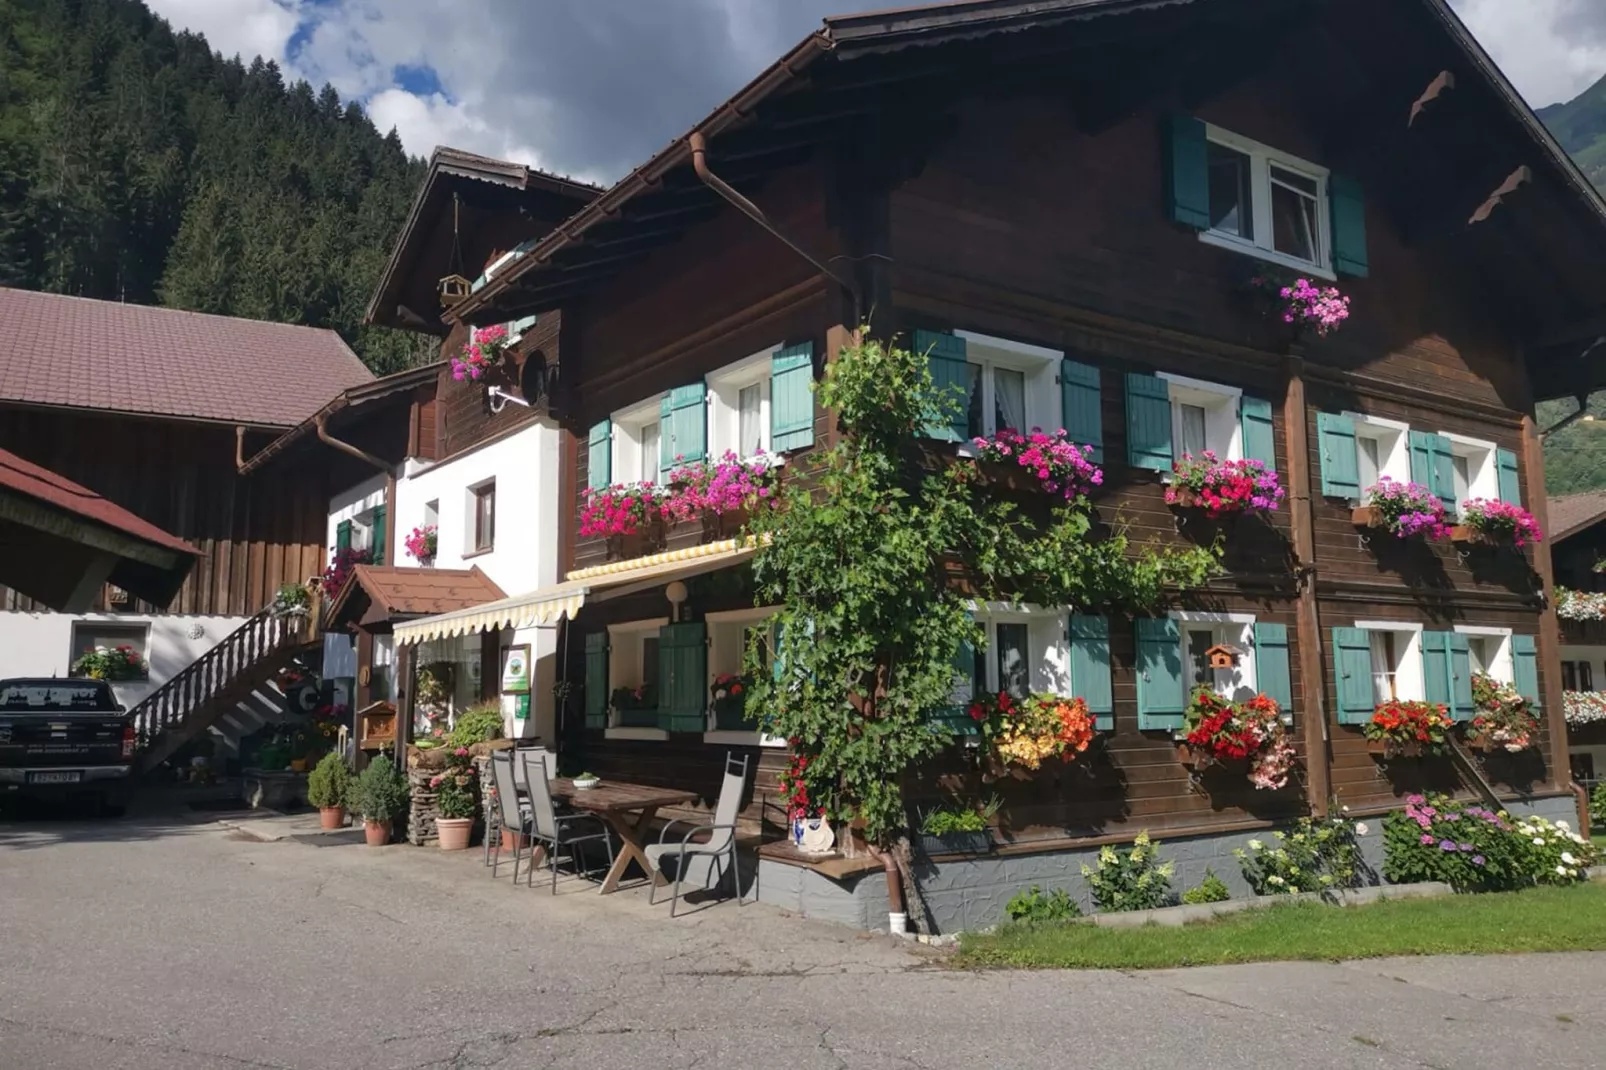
<point x="477" y="724"/>
<point x="379" y="795"/>
<point x="455" y="801"/>
<point x="328" y="786"/>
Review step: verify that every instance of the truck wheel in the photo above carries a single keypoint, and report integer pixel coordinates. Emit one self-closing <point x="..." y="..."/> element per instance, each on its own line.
<point x="112" y="806"/>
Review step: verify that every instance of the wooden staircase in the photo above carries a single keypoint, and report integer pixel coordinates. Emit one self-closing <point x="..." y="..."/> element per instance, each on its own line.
<point x="217" y="683"/>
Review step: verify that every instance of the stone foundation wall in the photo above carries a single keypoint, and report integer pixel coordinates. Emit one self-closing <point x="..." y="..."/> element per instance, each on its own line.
<point x="421" y="811"/>
<point x="970" y="893"/>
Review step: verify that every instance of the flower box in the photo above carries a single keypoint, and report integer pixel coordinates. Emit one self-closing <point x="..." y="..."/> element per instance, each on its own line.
<point x="1468" y="534"/>
<point x="1366" y="516"/>
<point x="725" y="525"/>
<point x="730" y="715"/>
<point x="647" y="539"/>
<point x="1223" y="488"/>
<point x="955" y="843"/>
<point x="1042" y="462"/>
<point x="1388" y="748"/>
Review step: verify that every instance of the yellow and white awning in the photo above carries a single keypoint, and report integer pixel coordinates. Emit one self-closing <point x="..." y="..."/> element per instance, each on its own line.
<point x="548" y="605"/>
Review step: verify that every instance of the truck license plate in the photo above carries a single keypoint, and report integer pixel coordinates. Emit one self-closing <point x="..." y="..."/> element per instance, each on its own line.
<point x="72" y="776"/>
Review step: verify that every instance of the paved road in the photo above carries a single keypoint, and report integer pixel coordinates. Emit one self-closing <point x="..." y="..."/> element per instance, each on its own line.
<point x="173" y="945"/>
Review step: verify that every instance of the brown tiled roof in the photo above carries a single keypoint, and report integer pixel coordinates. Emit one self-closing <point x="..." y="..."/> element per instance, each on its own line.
<point x="414" y="592"/>
<point x="1572" y="513"/>
<point x="25" y="477"/>
<point x="74" y="351"/>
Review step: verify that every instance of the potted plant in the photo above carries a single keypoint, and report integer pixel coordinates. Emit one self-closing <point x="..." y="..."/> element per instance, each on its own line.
<point x="720" y="495"/>
<point x="1496" y="523"/>
<point x="958" y="828"/>
<point x="1400" y="728"/>
<point x="1021" y="734"/>
<point x="1043" y="460"/>
<point x="629" y="515"/>
<point x="121" y="662"/>
<point x="327" y="787"/>
<point x="379" y="795"/>
<point x="1219" y="731"/>
<point x="478" y="726"/>
<point x="637" y="706"/>
<point x="455" y="801"/>
<point x="587" y="780"/>
<point x="481" y="354"/>
<point x="292" y="600"/>
<point x="1503" y="719"/>
<point x="1301" y="304"/>
<point x="422" y="544"/>
<point x="1403" y="509"/>
<point x="729" y="693"/>
<point x="1222" y="487"/>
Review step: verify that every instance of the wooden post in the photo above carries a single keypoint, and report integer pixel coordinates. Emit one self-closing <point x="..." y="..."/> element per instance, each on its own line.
<point x="1308" y="629"/>
<point x="1533" y="483"/>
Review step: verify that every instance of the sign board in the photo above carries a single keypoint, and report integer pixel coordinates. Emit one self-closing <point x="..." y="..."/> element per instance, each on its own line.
<point x="516" y="670"/>
<point x="521" y="707"/>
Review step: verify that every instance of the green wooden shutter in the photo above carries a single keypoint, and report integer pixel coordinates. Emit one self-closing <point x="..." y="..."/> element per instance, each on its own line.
<point x="683" y="427"/>
<point x="1090" y="668"/>
<point x="1348" y="205"/>
<point x="1352" y="675"/>
<point x="956" y="716"/>
<point x="1510" y="488"/>
<point x="1460" y="657"/>
<point x="1341" y="469"/>
<point x="1432" y="466"/>
<point x="599" y="455"/>
<point x="1436" y="667"/>
<point x="596" y="680"/>
<point x="1148" y="422"/>
<point x="683" y="677"/>
<point x="1187" y="172"/>
<point x="343" y="535"/>
<point x="1081" y="406"/>
<point x="945" y="355"/>
<point x="377" y="544"/>
<point x="1162" y="695"/>
<point x="791" y="398"/>
<point x="1272" y="674"/>
<point x="1525" y="667"/>
<point x="1259" y="442"/>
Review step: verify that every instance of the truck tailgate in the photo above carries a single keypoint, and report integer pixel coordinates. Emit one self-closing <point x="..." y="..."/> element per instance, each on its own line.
<point x="61" y="739"/>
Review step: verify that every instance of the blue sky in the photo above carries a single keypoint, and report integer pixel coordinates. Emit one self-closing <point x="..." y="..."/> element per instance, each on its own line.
<point x="592" y="87"/>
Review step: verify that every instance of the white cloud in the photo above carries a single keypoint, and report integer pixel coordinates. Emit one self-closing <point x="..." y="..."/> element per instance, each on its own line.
<point x="1551" y="50"/>
<point x="245" y="28"/>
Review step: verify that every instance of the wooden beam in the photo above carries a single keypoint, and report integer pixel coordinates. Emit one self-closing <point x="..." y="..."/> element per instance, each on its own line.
<point x="1522" y="176"/>
<point x="1436" y="88"/>
<point x="1308" y="627"/>
<point x="1555" y="717"/>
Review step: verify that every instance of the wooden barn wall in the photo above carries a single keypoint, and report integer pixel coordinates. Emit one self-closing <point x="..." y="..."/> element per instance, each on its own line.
<point x="462" y="419"/>
<point x="254" y="533"/>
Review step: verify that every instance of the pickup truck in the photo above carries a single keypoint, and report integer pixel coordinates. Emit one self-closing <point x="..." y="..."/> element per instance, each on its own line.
<point x="64" y="737"/>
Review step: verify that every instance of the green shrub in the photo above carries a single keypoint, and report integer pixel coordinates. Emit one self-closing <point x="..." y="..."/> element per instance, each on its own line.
<point x="329" y="783"/>
<point x="1597" y="804"/>
<point x="1317" y="856"/>
<point x="1474" y="849"/>
<point x="1134" y="879"/>
<point x="380" y="793"/>
<point x="1210" y="890"/>
<point x="1034" y="905"/>
<point x="959" y="817"/>
<point x="478" y="724"/>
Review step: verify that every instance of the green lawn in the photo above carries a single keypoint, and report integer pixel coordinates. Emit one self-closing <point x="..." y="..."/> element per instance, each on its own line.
<point x="1540" y="919"/>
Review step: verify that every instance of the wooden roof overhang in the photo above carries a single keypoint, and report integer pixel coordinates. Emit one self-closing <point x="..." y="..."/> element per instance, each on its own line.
<point x="363" y="403"/>
<point x="375" y="598"/>
<point x="1461" y="165"/>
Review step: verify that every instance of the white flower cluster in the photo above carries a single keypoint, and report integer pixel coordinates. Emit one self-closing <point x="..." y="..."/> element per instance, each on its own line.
<point x="1584" y="707"/>
<point x="1579" y="605"/>
<point x="1568" y="854"/>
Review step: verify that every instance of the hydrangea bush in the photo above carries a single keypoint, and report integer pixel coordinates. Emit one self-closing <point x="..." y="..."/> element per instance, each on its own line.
<point x="1317" y="856"/>
<point x="1408" y="509"/>
<point x="1221" y="487"/>
<point x="1501" y="522"/>
<point x="1134" y="879"/>
<point x="1062" y="466"/>
<point x="1472" y="848"/>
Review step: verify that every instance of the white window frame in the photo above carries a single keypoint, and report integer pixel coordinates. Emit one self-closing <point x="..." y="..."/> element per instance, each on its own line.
<point x="1038" y="364"/>
<point x="630" y="635"/>
<point x="1237" y="629"/>
<point x="1410" y="677"/>
<point x="1503" y="665"/>
<point x="724" y="406"/>
<point x="1224" y="432"/>
<point x="1483" y="472"/>
<point x="628" y="425"/>
<point x="471" y="501"/>
<point x="1393" y="438"/>
<point x="116" y="624"/>
<point x="718" y="657"/>
<point x="1048" y="654"/>
<point x="1261" y="157"/>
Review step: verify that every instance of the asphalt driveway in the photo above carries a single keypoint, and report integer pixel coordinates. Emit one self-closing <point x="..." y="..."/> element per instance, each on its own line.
<point x="171" y="944"/>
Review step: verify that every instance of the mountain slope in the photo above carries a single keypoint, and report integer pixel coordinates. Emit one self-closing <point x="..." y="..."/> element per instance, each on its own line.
<point x="137" y="165"/>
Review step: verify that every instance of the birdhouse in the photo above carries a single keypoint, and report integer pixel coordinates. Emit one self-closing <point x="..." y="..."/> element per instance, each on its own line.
<point x="453" y="288"/>
<point x="1222" y="656"/>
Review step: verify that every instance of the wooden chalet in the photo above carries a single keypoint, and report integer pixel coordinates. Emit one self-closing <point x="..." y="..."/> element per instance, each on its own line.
<point x="1577" y="548"/>
<point x="1064" y="203"/>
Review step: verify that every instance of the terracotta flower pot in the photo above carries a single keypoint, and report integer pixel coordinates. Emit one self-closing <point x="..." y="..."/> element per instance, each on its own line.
<point x="377" y="833"/>
<point x="331" y="817"/>
<point x="454" y="832"/>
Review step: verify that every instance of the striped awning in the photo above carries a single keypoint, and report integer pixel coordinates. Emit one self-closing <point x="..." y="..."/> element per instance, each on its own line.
<point x="548" y="605"/>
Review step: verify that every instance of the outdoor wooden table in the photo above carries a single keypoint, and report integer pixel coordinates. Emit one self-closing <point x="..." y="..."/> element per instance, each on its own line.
<point x="627" y="809"/>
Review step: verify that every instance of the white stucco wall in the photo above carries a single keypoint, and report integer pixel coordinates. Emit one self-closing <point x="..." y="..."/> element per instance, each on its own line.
<point x="351" y="502"/>
<point x="41" y="644"/>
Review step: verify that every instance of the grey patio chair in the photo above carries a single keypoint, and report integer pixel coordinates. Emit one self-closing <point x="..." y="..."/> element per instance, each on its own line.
<point x="512" y="811"/>
<point x="556" y="831"/>
<point x="719" y="844"/>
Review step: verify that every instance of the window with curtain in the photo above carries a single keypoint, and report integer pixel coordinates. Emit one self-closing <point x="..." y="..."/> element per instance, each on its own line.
<point x="647" y="461"/>
<point x="750" y="420"/>
<point x="1191" y="423"/>
<point x="1013" y="659"/>
<point x="1385" y="666"/>
<point x="484" y="516"/>
<point x="1009" y="399"/>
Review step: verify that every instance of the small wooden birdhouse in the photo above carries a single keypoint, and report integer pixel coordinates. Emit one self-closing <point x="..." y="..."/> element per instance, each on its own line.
<point x="1223" y="656"/>
<point x="453" y="288"/>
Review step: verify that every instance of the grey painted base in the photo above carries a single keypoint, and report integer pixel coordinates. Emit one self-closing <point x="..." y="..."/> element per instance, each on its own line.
<point x="970" y="894"/>
<point x="264" y="790"/>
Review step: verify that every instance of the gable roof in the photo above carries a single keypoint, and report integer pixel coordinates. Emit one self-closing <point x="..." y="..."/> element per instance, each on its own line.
<point x="86" y="354"/>
<point x="815" y="91"/>
<point x="396" y="593"/>
<point x="1573" y="513"/>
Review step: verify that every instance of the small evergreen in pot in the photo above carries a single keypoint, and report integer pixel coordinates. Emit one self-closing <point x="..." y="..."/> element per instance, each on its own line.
<point x="328" y="785"/>
<point x="379" y="795"/>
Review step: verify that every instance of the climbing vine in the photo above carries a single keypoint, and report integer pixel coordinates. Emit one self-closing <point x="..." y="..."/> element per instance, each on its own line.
<point x="875" y="557"/>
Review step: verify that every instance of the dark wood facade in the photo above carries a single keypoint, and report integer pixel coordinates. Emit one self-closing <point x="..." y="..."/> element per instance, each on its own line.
<point x="1027" y="203"/>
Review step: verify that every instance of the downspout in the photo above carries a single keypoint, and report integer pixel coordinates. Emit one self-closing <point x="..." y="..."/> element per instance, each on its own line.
<point x="698" y="143"/>
<point x="320" y="422"/>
